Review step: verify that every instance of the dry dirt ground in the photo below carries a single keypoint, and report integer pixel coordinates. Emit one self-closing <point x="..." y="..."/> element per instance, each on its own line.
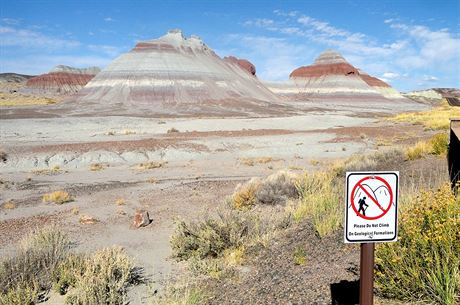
<point x="202" y="160"/>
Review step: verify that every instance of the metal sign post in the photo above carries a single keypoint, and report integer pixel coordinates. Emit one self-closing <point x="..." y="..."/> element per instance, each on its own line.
<point x="366" y="274"/>
<point x="371" y="216"/>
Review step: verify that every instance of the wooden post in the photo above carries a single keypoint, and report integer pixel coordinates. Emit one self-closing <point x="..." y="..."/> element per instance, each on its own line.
<point x="366" y="270"/>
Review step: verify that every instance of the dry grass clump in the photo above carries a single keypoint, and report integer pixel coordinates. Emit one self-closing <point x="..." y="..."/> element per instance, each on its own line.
<point x="48" y="171"/>
<point x="23" y="276"/>
<point x="97" y="167"/>
<point x="172" y="130"/>
<point x="152" y="180"/>
<point x="436" y="145"/>
<point x="120" y="201"/>
<point x="182" y="295"/>
<point x="435" y="119"/>
<point x="103" y="278"/>
<point x="277" y="189"/>
<point x="212" y="236"/>
<point x="273" y="190"/>
<point x="9" y="205"/>
<point x="150" y="165"/>
<point x="299" y="256"/>
<point x="320" y="194"/>
<point x="44" y="260"/>
<point x="253" y="161"/>
<point x="88" y="220"/>
<point x="58" y="197"/>
<point x="244" y="196"/>
<point x="425" y="262"/>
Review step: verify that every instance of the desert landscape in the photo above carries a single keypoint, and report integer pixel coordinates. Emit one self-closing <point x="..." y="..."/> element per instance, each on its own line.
<point x="177" y="176"/>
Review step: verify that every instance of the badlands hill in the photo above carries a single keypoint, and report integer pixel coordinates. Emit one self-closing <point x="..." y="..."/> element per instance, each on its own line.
<point x="178" y="76"/>
<point x="436" y="95"/>
<point x="62" y="80"/>
<point x="332" y="77"/>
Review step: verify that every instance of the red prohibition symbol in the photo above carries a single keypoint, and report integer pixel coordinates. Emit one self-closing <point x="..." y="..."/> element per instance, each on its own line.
<point x="383" y="208"/>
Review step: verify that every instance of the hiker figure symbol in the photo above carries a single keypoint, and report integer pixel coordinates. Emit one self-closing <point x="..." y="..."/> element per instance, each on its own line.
<point x="362" y="203"/>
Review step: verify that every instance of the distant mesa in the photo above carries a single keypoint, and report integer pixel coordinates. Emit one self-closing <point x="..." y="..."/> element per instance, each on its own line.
<point x="176" y="75"/>
<point x="14" y="78"/>
<point x="331" y="76"/>
<point x="243" y="63"/>
<point x="62" y="80"/>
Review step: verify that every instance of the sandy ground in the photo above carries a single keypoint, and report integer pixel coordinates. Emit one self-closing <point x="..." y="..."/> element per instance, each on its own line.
<point x="201" y="165"/>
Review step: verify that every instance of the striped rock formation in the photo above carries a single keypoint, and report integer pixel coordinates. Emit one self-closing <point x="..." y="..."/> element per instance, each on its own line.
<point x="332" y="77"/>
<point x="243" y="63"/>
<point x="62" y="80"/>
<point x="177" y="76"/>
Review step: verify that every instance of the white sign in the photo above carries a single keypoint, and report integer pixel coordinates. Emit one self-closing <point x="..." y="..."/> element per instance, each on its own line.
<point x="371" y="213"/>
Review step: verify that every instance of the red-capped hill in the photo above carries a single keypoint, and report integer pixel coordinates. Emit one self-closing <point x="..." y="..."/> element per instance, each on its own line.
<point x="373" y="81"/>
<point x="62" y="80"/>
<point x="328" y="63"/>
<point x="243" y="63"/>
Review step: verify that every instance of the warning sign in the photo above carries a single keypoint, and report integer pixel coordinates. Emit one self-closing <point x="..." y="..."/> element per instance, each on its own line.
<point x="371" y="207"/>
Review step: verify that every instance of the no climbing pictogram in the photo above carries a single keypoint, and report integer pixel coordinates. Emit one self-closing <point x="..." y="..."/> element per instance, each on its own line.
<point x="371" y="206"/>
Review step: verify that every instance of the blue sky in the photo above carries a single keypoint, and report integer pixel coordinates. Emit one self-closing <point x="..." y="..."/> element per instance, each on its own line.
<point x="410" y="44"/>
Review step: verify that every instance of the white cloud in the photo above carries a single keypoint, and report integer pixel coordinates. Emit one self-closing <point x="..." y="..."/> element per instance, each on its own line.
<point x="11" y="21"/>
<point x="108" y="19"/>
<point x="24" y="38"/>
<point x="430" y="78"/>
<point x="390" y="75"/>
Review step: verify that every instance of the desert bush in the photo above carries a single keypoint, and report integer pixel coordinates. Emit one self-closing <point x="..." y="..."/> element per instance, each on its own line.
<point x="58" y="197"/>
<point x="368" y="162"/>
<point x="97" y="167"/>
<point x="425" y="262"/>
<point x="176" y="294"/>
<point x="27" y="273"/>
<point x="172" y="130"/>
<point x="48" y="171"/>
<point x="436" y="145"/>
<point x="104" y="280"/>
<point x="9" y="205"/>
<point x="20" y="295"/>
<point x="439" y="144"/>
<point x="150" y="165"/>
<point x="67" y="272"/>
<point x="244" y="196"/>
<point x="212" y="236"/>
<point x="320" y="201"/>
<point x="277" y="189"/>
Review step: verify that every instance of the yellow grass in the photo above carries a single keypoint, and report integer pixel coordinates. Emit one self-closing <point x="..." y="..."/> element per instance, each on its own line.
<point x="120" y="201"/>
<point x="47" y="171"/>
<point x="150" y="165"/>
<point x="15" y="99"/>
<point x="58" y="197"/>
<point x="97" y="167"/>
<point x="9" y="205"/>
<point x="436" y="145"/>
<point x="253" y="161"/>
<point x="436" y="118"/>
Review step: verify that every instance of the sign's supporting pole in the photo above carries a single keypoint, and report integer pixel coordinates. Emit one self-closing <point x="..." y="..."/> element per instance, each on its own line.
<point x="366" y="272"/>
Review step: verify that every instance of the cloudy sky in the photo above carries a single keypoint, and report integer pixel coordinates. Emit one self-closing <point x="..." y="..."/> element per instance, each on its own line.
<point x="412" y="44"/>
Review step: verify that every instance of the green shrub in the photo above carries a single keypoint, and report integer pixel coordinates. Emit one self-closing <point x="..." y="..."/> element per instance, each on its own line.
<point x="22" y="294"/>
<point x="210" y="237"/>
<point x="106" y="276"/>
<point x="424" y="263"/>
<point x="32" y="267"/>
<point x="439" y="144"/>
<point x="67" y="273"/>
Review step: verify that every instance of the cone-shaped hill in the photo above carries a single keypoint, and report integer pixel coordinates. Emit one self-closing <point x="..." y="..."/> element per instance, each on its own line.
<point x="177" y="76"/>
